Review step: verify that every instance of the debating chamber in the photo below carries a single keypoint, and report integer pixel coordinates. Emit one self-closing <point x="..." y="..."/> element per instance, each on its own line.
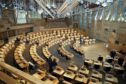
<point x="62" y="41"/>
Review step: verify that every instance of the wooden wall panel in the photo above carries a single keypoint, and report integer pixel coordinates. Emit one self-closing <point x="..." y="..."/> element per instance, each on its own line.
<point x="103" y="30"/>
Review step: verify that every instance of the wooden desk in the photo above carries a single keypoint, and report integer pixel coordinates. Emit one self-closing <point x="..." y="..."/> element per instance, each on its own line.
<point x="23" y="65"/>
<point x="81" y="78"/>
<point x="70" y="55"/>
<point x="35" y="59"/>
<point x="93" y="81"/>
<point x="58" y="70"/>
<point x="107" y="64"/>
<point x="89" y="61"/>
<point x="118" y="67"/>
<point x="85" y="80"/>
<point x="84" y="71"/>
<point x="111" y="78"/>
<point x="40" y="75"/>
<point x="18" y="60"/>
<point x="1" y="52"/>
<point x="35" y="56"/>
<point x="51" y="80"/>
<point x="106" y="82"/>
<point x="65" y="53"/>
<point x="2" y="59"/>
<point x="97" y="63"/>
<point x="1" y="55"/>
<point x="81" y="51"/>
<point x="48" y="81"/>
<point x="54" y="57"/>
<point x="69" y="74"/>
<point x="73" y="67"/>
<point x="40" y="62"/>
<point x="116" y="58"/>
<point x="16" y="57"/>
<point x="46" y="52"/>
<point x="96" y="74"/>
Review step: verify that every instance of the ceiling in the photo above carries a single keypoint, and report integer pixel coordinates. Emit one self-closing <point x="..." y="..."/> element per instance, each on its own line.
<point x="51" y="6"/>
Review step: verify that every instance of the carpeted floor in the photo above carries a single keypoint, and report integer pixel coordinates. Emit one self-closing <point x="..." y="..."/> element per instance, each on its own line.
<point x="91" y="52"/>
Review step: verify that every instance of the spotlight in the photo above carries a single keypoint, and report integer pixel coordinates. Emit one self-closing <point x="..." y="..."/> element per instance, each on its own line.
<point x="53" y="5"/>
<point x="49" y="6"/>
<point x="81" y="1"/>
<point x="97" y="2"/>
<point x="67" y="14"/>
<point x="104" y="4"/>
<point x="40" y="11"/>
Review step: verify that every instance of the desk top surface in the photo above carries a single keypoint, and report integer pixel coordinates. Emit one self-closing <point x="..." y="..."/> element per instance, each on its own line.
<point x="69" y="74"/>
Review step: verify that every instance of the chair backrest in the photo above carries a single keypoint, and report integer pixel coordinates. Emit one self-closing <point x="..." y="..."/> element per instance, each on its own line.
<point x="100" y="58"/>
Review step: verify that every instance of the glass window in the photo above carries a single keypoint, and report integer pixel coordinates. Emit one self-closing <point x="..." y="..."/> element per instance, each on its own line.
<point x="21" y="16"/>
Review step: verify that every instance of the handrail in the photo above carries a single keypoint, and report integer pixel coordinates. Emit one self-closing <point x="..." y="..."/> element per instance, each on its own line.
<point x="7" y="79"/>
<point x="20" y="74"/>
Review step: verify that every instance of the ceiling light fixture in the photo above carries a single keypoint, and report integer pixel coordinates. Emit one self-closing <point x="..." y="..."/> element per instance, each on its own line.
<point x="104" y="4"/>
<point x="81" y="1"/>
<point x="40" y="11"/>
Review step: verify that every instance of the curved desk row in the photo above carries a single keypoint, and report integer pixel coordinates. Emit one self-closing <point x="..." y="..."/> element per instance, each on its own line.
<point x="18" y="56"/>
<point x="35" y="56"/>
<point x="5" y="49"/>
